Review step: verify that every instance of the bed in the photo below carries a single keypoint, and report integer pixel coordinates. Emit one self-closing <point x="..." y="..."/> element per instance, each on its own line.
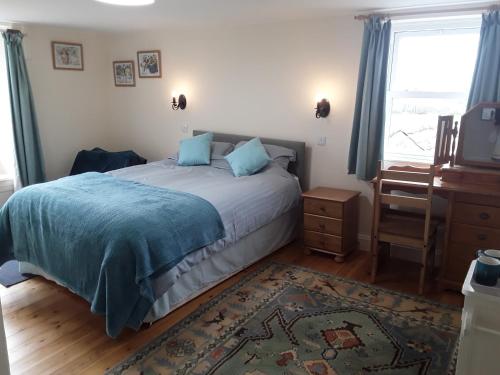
<point x="259" y="214"/>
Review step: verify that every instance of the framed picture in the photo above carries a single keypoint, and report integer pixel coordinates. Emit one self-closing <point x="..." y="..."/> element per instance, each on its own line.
<point x="149" y="64"/>
<point x="124" y="72"/>
<point x="67" y="56"/>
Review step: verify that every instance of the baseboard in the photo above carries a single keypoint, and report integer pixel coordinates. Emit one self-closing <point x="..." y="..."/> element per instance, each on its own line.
<point x="6" y="190"/>
<point x="364" y="242"/>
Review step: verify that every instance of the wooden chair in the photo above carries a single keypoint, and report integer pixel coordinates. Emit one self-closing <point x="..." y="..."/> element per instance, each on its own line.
<point x="406" y="229"/>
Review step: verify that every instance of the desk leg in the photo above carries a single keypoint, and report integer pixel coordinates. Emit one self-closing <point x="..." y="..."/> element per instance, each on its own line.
<point x="445" y="253"/>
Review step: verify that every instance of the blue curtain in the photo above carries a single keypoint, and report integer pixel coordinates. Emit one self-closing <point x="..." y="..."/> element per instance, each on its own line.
<point x="486" y="80"/>
<point x="369" y="114"/>
<point x="25" y="128"/>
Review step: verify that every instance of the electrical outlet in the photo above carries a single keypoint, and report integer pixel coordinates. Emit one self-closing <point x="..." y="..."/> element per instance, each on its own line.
<point x="185" y="128"/>
<point x="322" y="141"/>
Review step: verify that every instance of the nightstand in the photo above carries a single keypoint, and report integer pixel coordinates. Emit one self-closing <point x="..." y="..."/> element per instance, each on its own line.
<point x="331" y="221"/>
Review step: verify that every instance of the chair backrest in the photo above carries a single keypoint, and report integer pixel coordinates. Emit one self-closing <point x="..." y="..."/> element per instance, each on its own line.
<point x="442" y="154"/>
<point x="446" y="137"/>
<point x="412" y="177"/>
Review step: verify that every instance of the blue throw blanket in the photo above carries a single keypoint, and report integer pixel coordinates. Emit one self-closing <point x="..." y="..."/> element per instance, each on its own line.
<point x="106" y="238"/>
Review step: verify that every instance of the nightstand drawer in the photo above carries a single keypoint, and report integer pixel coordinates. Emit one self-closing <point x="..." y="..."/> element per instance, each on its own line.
<point x="323" y="208"/>
<point x="322" y="224"/>
<point x="323" y="241"/>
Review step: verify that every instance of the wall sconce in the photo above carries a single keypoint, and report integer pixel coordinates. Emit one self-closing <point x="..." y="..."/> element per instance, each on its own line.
<point x="178" y="103"/>
<point x="322" y="108"/>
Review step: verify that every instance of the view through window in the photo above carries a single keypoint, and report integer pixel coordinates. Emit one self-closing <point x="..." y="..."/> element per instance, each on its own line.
<point x="430" y="73"/>
<point x="6" y="143"/>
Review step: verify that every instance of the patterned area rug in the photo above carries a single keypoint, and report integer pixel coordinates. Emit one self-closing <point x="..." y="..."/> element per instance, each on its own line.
<point x="290" y="320"/>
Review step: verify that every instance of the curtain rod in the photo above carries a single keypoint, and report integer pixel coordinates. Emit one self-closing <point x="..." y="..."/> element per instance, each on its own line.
<point x="419" y="12"/>
<point x="15" y="31"/>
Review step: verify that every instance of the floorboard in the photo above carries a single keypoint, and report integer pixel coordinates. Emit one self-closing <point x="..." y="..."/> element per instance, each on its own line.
<point x="51" y="331"/>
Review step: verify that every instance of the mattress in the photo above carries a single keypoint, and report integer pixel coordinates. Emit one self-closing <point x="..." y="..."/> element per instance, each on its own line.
<point x="224" y="264"/>
<point x="245" y="204"/>
<point x="258" y="212"/>
<point x="200" y="276"/>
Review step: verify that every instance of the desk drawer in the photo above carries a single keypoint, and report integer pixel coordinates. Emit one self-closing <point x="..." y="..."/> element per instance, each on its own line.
<point x="478" y="199"/>
<point x="322" y="224"/>
<point x="458" y="260"/>
<point x="477" y="215"/>
<point x="481" y="237"/>
<point x="323" y="208"/>
<point x="323" y="241"/>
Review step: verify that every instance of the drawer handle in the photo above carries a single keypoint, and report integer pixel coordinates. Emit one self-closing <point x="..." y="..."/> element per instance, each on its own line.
<point x="484" y="216"/>
<point x="322" y="208"/>
<point x="482" y="237"/>
<point x="322" y="226"/>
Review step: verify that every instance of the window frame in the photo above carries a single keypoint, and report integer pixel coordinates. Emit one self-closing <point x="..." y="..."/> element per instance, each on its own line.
<point x="428" y="26"/>
<point x="6" y="180"/>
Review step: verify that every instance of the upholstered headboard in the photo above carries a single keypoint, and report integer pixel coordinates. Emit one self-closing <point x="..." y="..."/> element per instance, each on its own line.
<point x="298" y="168"/>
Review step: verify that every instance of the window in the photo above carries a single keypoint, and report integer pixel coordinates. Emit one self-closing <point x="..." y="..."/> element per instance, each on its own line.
<point x="6" y="139"/>
<point x="431" y="64"/>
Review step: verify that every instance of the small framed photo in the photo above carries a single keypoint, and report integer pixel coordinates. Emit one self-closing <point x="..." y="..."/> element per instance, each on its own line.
<point x="149" y="64"/>
<point x="67" y="56"/>
<point x="124" y="72"/>
<point x="488" y="114"/>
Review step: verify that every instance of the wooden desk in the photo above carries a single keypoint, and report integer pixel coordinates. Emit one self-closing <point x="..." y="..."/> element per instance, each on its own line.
<point x="472" y="223"/>
<point x="444" y="188"/>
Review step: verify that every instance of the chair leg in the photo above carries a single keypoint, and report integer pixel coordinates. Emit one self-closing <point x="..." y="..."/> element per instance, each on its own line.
<point x="374" y="252"/>
<point x="423" y="271"/>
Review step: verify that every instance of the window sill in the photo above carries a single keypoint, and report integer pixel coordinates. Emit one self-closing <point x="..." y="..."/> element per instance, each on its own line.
<point x="405" y="163"/>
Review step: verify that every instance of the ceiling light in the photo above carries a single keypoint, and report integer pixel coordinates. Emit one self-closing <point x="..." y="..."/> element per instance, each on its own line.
<point x="128" y="2"/>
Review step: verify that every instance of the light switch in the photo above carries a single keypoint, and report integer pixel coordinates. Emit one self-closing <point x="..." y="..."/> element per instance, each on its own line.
<point x="322" y="141"/>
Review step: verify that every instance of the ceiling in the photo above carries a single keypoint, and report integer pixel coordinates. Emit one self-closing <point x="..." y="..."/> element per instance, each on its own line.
<point x="191" y="13"/>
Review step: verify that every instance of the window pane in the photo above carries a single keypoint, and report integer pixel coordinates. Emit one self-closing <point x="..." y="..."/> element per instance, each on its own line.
<point x="431" y="73"/>
<point x="434" y="61"/>
<point x="411" y="133"/>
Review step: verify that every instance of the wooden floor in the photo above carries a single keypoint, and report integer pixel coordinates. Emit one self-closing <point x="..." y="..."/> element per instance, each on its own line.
<point x="51" y="331"/>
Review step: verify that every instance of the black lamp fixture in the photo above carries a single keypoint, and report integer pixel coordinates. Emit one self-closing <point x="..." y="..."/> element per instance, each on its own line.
<point x="322" y="108"/>
<point x="178" y="102"/>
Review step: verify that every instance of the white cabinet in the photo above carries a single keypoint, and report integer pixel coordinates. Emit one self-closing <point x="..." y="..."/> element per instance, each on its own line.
<point x="479" y="350"/>
<point x="4" y="357"/>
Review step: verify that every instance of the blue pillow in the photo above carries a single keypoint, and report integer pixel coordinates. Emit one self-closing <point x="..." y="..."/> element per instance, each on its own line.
<point x="196" y="150"/>
<point x="248" y="159"/>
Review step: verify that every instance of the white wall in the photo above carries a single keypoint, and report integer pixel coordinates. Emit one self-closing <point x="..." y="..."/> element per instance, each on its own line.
<point x="71" y="105"/>
<point x="254" y="80"/>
